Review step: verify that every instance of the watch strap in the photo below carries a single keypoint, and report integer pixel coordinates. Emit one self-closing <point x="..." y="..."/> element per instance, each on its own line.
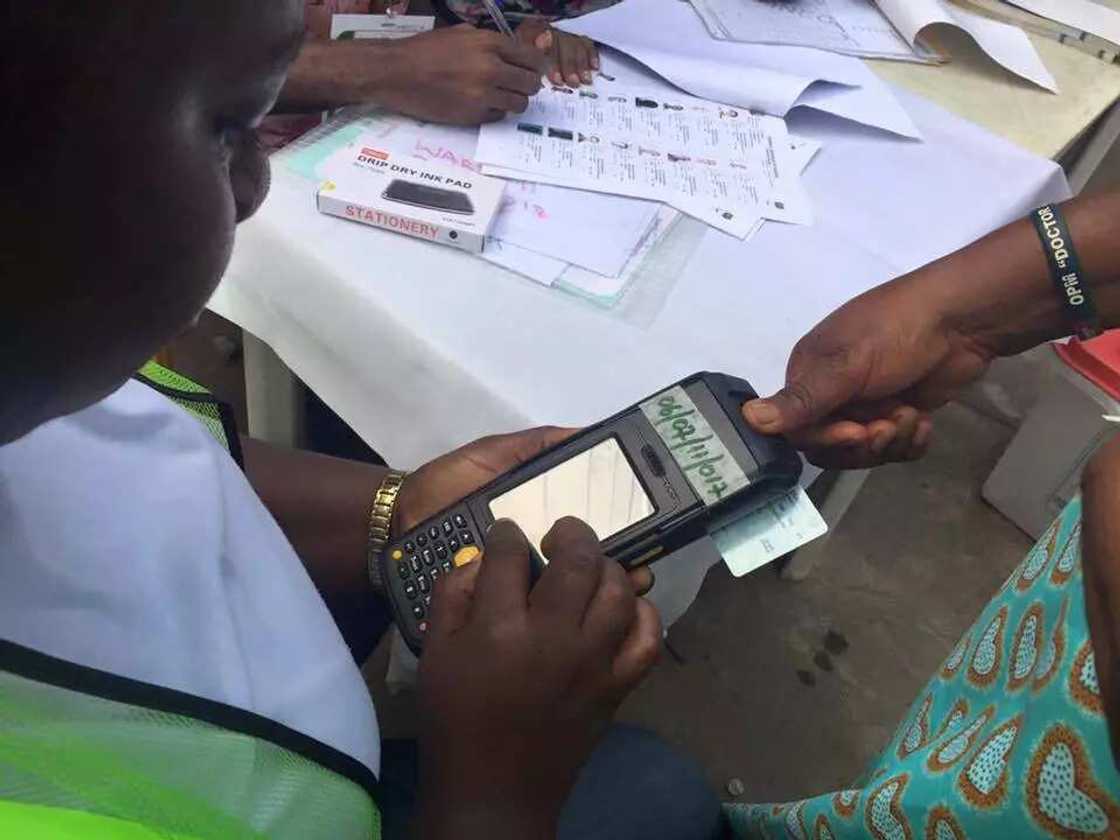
<point x="381" y="523"/>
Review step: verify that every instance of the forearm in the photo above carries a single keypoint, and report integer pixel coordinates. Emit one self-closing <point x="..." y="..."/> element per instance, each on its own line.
<point x="331" y="74"/>
<point x="323" y="506"/>
<point x="999" y="290"/>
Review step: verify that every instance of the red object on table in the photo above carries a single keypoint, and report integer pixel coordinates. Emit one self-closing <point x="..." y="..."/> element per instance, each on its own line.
<point x="1098" y="360"/>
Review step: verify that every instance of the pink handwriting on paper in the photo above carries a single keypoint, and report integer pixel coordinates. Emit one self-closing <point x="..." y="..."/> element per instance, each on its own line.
<point x="519" y="194"/>
<point x="511" y="202"/>
<point x="437" y="151"/>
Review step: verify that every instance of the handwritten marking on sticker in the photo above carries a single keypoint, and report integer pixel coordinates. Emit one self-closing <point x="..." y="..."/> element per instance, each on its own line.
<point x="710" y="469"/>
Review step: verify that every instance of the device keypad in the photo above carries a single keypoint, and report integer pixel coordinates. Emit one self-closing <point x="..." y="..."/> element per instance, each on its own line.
<point x="436" y="551"/>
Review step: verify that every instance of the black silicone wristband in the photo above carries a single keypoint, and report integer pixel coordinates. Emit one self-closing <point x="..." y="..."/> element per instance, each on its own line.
<point x="1065" y="271"/>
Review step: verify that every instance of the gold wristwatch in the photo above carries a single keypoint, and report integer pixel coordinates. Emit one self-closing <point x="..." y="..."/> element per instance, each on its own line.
<point x="380" y="524"/>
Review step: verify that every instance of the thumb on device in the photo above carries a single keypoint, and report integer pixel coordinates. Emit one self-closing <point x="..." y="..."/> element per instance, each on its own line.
<point x="807" y="398"/>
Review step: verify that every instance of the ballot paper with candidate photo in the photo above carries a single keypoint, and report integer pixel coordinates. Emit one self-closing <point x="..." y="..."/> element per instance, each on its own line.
<point x="773" y="530"/>
<point x="719" y="164"/>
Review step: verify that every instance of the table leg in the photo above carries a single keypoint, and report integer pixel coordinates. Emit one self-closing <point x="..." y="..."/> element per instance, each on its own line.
<point x="1081" y="170"/>
<point x="845" y="486"/>
<point x="273" y="396"/>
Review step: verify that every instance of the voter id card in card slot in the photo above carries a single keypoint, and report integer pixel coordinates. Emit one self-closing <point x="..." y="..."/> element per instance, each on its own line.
<point x="769" y="532"/>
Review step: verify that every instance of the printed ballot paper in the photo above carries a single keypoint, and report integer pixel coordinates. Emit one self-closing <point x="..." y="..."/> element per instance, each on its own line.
<point x="722" y="165"/>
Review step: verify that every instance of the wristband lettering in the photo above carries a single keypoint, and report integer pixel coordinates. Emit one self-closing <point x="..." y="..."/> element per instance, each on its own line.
<point x="1065" y="271"/>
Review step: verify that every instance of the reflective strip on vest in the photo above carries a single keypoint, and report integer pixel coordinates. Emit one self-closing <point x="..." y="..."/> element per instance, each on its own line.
<point x="19" y="820"/>
<point x="97" y="755"/>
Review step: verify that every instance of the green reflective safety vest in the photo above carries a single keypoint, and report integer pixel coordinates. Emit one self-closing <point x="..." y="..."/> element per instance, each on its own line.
<point x="88" y="754"/>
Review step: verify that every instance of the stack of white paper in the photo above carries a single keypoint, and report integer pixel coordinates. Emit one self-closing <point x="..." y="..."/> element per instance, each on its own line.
<point x="593" y="242"/>
<point x="879" y="29"/>
<point x="598" y="232"/>
<point x="669" y="38"/>
<point x="601" y="287"/>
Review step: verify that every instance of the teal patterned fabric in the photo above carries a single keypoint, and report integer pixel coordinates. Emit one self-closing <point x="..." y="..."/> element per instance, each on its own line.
<point x="1008" y="740"/>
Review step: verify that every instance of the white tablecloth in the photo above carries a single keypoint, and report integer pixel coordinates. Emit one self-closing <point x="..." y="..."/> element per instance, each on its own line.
<point x="421" y="348"/>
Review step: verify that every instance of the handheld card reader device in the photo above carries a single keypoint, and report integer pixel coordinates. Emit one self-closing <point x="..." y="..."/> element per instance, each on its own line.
<point x="648" y="480"/>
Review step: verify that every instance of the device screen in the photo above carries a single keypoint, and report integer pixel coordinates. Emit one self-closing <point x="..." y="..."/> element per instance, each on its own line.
<point x="598" y="486"/>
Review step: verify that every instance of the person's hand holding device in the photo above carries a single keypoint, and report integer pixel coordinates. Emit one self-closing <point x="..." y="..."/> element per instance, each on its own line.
<point x="517" y="684"/>
<point x="573" y="59"/>
<point x="447" y="479"/>
<point x="860" y="385"/>
<point x="650" y="479"/>
<point x="443" y="481"/>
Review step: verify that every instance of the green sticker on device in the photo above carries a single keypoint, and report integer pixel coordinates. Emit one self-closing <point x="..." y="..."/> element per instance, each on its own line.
<point x="700" y="453"/>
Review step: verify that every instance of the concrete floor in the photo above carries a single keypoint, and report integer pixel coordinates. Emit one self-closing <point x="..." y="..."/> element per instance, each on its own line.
<point x="793" y="687"/>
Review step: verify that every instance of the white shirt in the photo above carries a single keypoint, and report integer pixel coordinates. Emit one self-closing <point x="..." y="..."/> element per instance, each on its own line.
<point x="131" y="542"/>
